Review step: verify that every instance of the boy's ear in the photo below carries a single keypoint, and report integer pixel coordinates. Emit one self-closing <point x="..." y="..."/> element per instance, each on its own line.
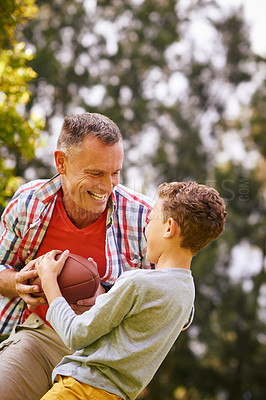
<point x="60" y="161"/>
<point x="171" y="228"/>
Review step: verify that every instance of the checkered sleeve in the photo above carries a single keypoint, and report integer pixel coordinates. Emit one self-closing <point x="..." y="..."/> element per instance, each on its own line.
<point x="19" y="239"/>
<point x="10" y="236"/>
<point x="126" y="243"/>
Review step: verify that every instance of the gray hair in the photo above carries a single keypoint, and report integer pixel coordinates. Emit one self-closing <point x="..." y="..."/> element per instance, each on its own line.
<point x="76" y="128"/>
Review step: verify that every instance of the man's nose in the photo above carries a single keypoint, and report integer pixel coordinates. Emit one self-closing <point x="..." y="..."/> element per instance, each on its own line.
<point x="108" y="182"/>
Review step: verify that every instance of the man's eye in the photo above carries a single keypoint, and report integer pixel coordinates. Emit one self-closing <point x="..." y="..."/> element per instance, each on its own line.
<point x="95" y="173"/>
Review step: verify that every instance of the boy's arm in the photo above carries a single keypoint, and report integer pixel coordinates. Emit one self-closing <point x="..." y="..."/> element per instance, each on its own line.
<point x="79" y="331"/>
<point x="51" y="289"/>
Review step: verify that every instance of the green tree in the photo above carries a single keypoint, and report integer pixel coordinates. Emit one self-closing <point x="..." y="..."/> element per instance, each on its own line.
<point x="19" y="130"/>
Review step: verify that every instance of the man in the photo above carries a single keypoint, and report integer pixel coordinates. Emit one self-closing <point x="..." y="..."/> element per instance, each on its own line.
<point x="83" y="209"/>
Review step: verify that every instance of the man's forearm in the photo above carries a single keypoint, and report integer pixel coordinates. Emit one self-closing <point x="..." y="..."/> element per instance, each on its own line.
<point x="7" y="283"/>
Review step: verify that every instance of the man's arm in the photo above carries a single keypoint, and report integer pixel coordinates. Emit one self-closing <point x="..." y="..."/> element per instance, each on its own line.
<point x="13" y="279"/>
<point x="7" y="283"/>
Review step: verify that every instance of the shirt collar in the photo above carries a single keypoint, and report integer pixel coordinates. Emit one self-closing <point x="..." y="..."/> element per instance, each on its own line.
<point x="49" y="189"/>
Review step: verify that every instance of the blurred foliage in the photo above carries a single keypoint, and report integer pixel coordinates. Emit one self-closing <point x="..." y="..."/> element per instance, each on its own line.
<point x="19" y="130"/>
<point x="12" y="14"/>
<point x="172" y="92"/>
<point x="258" y="119"/>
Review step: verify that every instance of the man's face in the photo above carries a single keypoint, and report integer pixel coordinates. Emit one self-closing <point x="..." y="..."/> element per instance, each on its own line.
<point x="89" y="179"/>
<point x="154" y="233"/>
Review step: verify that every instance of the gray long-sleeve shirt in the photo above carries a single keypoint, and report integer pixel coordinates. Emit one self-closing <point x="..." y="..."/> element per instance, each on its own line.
<point x="122" y="340"/>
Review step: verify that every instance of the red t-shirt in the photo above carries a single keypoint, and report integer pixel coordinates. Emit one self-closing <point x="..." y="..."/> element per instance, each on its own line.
<point x="62" y="235"/>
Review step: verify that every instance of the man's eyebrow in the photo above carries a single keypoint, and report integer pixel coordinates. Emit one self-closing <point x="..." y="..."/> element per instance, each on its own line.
<point x="117" y="170"/>
<point x="100" y="170"/>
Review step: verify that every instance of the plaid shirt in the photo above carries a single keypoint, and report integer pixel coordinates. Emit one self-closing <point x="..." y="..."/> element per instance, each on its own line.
<point x="26" y="219"/>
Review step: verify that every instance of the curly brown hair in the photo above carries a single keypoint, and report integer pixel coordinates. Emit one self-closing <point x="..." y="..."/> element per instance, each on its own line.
<point x="198" y="209"/>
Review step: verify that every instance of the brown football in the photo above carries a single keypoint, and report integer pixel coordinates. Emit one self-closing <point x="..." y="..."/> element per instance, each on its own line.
<point x="79" y="279"/>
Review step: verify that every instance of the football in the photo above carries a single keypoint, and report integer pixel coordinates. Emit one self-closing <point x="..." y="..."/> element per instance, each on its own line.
<point x="79" y="279"/>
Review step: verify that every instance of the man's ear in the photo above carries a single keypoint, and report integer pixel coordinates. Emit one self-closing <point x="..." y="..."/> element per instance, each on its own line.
<point x="171" y="228"/>
<point x="60" y="161"/>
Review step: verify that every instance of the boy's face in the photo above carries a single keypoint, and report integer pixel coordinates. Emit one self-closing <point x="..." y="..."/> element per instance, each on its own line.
<point x="154" y="233"/>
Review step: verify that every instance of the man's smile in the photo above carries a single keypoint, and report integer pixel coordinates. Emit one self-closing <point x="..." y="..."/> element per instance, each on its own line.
<point x="97" y="196"/>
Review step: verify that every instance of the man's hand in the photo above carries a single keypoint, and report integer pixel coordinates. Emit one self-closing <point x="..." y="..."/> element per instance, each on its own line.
<point x="24" y="290"/>
<point x="86" y="304"/>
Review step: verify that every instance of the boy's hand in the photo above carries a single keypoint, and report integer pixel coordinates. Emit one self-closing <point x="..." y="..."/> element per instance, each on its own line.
<point x="48" y="270"/>
<point x="47" y="266"/>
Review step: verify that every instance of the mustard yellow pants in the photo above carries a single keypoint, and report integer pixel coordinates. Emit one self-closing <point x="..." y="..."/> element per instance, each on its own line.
<point x="68" y="388"/>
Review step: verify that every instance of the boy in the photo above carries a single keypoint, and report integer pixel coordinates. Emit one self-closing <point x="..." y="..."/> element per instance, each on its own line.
<point x="122" y="340"/>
